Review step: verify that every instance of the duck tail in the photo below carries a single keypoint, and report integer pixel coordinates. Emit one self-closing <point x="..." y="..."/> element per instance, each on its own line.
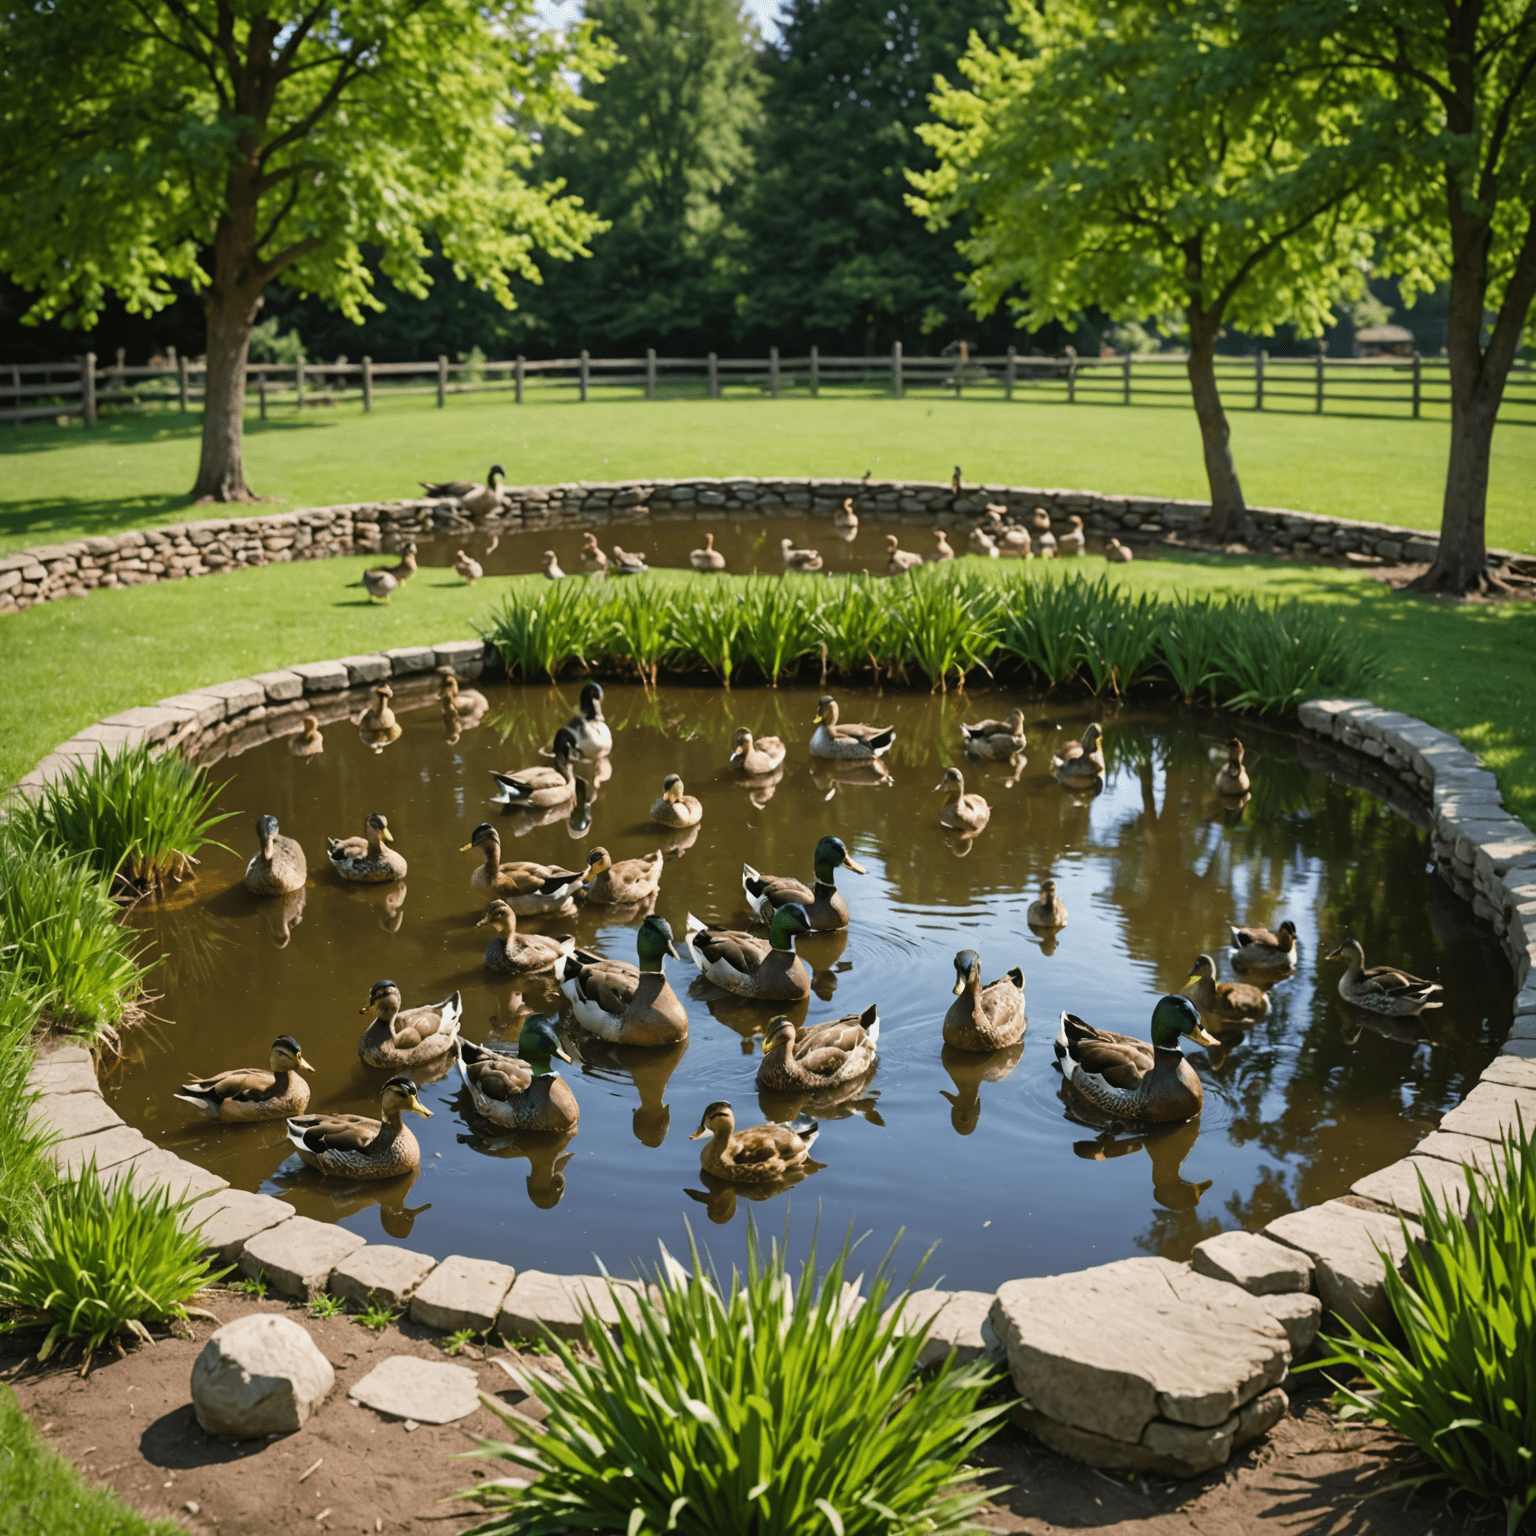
<point x="806" y="1129"/>
<point x="870" y="1019"/>
<point x="203" y="1103"/>
<point x="295" y="1129"/>
<point x="693" y="926"/>
<point x="1068" y="1033"/>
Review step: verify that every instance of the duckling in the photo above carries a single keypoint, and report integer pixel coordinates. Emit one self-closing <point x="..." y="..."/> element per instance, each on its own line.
<point x="831" y="739"/>
<point x="1048" y="911"/>
<point x="356" y="1147"/>
<point x="960" y="812"/>
<point x="477" y="498"/>
<point x="845" y="519"/>
<point x="512" y="953"/>
<point x="825" y="908"/>
<point x="982" y="543"/>
<point x="826" y="1056"/>
<point x="551" y="567"/>
<point x="1232" y="777"/>
<point x="1382" y="988"/>
<point x="673" y="808"/>
<point x="278" y="865"/>
<point x="806" y="560"/>
<point x="942" y="549"/>
<point x="539" y="787"/>
<point x="627" y="1004"/>
<point x="1234" y="1002"/>
<point x="592" y="732"/>
<point x="749" y="966"/>
<point x="985" y="1018"/>
<point x="379" y="584"/>
<point x="379" y="716"/>
<point x="409" y="1037"/>
<point x="630" y="880"/>
<point x="247" y="1094"/>
<point x="365" y="859"/>
<point x="522" y="1092"/>
<point x="755" y="1156"/>
<point x="995" y="740"/>
<point x="707" y="559"/>
<point x="532" y="890"/>
<point x="465" y="703"/>
<point x="1117" y="554"/>
<point x="753" y="755"/>
<point x="310" y="742"/>
<point x="1125" y="1077"/>
<point x="593" y="560"/>
<point x="899" y="561"/>
<point x="470" y="570"/>
<point x="1257" y="949"/>
<point x="1074" y="541"/>
<point x="1081" y="761"/>
<point x="628" y="564"/>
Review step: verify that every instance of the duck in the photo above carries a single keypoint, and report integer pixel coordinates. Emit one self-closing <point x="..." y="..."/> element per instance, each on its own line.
<point x="407" y="566"/>
<point x="1117" y="554"/>
<point x="960" y="812"/>
<point x="379" y="716"/>
<point x="627" y="1004"/>
<point x="1040" y="530"/>
<point x="379" y="584"/>
<point x="310" y="741"/>
<point x="995" y="740"/>
<point x="522" y="1092"/>
<point x="899" y="561"/>
<point x="753" y="755"/>
<point x="1081" y="760"/>
<point x="593" y="560"/>
<point x="628" y="564"/>
<point x="985" y="1018"/>
<point x="1074" y="541"/>
<point x="825" y="908"/>
<point x="674" y="808"/>
<point x="980" y="542"/>
<point x="630" y="880"/>
<point x="1009" y="539"/>
<point x="845" y="519"/>
<point x="465" y="703"/>
<point x="758" y="1155"/>
<point x="1130" y="1079"/>
<point x="409" y="1037"/>
<point x="808" y="561"/>
<point x="1232" y="777"/>
<point x="942" y="549"/>
<point x="477" y="498"/>
<point x="512" y="953"/>
<point x="1382" y="988"/>
<point x="749" y="966"/>
<point x="551" y="567"/>
<point x="248" y="1094"/>
<point x="278" y="865"/>
<point x="539" y="786"/>
<point x="530" y="890"/>
<point x="825" y="1056"/>
<point x="956" y="484"/>
<point x="593" y="733"/>
<point x="707" y="559"/>
<point x="1257" y="949"/>
<point x="1233" y="1002"/>
<point x="470" y="570"/>
<point x="365" y="859"/>
<point x="852" y="741"/>
<point x="357" y="1147"/>
<point x="1048" y="911"/>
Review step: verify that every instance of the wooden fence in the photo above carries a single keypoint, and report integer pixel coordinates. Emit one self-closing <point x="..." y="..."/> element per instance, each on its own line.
<point x="1403" y="387"/>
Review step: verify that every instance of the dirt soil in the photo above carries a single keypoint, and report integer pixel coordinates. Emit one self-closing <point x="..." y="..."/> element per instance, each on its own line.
<point x="129" y="1425"/>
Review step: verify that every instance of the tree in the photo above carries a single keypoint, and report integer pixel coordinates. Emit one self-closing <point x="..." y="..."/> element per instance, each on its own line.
<point x="233" y="143"/>
<point x="1129" y="156"/>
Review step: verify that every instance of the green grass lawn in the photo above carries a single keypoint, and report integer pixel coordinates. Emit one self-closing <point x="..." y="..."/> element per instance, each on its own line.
<point x="133" y="472"/>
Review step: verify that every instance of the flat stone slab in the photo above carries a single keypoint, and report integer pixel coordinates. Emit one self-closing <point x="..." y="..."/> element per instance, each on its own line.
<point x="462" y="1293"/>
<point x="1261" y="1266"/>
<point x="75" y="1114"/>
<point x="227" y="1221"/>
<point x="466" y="657"/>
<point x="110" y="1148"/>
<point x="297" y="1256"/>
<point x="55" y="1077"/>
<point x="322" y="676"/>
<point x="366" y="669"/>
<point x="1512" y="1072"/>
<point x="382" y="1273"/>
<point x="280" y="685"/>
<point x="1345" y="1245"/>
<point x="1453" y="1148"/>
<point x="1398" y="1187"/>
<point x="242" y="694"/>
<point x="540" y="1303"/>
<point x="1490" y="1110"/>
<point x="158" y="1170"/>
<point x="205" y="708"/>
<point x="428" y="1391"/>
<point x="411" y="658"/>
<point x="957" y="1322"/>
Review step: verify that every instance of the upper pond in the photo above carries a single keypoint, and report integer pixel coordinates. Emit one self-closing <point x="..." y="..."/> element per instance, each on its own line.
<point x="987" y="1163"/>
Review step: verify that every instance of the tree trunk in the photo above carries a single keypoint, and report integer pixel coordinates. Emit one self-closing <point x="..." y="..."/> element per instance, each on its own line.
<point x="1229" y="512"/>
<point x="221" y="470"/>
<point x="1462" y="564"/>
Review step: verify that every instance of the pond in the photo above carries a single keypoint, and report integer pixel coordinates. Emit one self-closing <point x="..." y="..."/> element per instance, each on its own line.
<point x="989" y="1158"/>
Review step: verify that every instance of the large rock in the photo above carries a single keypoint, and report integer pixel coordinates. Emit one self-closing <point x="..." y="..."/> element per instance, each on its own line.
<point x="1345" y="1245"/>
<point x="1299" y="1313"/>
<point x="1262" y="1267"/>
<point x="428" y="1391"/>
<point x="260" y="1375"/>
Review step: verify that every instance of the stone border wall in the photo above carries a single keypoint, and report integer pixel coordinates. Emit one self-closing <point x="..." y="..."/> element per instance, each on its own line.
<point x="1204" y="1370"/>
<point x="210" y="545"/>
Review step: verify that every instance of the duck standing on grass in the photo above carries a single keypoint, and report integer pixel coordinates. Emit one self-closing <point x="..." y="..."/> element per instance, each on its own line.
<point x="755" y="1156"/>
<point x="985" y="1018"/>
<point x="512" y="953"/>
<point x="248" y="1094"/>
<point x="1382" y="988"/>
<point x="628" y="563"/>
<point x="356" y="1147"/>
<point x="1125" y="1077"/>
<point x="551" y="567"/>
<point x="407" y="1037"/>
<point x="470" y="570"/>
<point x="310" y="742"/>
<point x="522" y="1092"/>
<point x="365" y="860"/>
<point x="1233" y="1002"/>
<point x="1117" y="554"/>
<point x="278" y="865"/>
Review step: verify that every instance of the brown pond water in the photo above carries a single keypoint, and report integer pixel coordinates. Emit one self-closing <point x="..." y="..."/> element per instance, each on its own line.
<point x="982" y="1158"/>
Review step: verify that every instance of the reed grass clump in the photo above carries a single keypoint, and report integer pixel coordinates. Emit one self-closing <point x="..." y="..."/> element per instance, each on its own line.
<point x="23" y="1168"/>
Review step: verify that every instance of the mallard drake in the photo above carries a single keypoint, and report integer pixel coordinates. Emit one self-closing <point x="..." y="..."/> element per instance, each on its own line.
<point x="755" y="1156"/>
<point x="960" y="812"/>
<point x="522" y="1092"/>
<point x="463" y="702"/>
<point x="592" y="732"/>
<point x="379" y="584"/>
<point x="407" y="1037"/>
<point x="248" y="1094"/>
<point x="825" y="1056"/>
<point x="628" y="563"/>
<point x="512" y="953"/>
<point x="825" y="908"/>
<point x="899" y="561"/>
<point x="1234" y="1002"/>
<point x="627" y="1004"/>
<point x="1232" y="777"/>
<point x="1081" y="761"/>
<point x="806" y="560"/>
<point x="1382" y="988"/>
<point x="310" y="741"/>
<point x="378" y="716"/>
<point x="1130" y="1079"/>
<point x="1257" y="949"/>
<point x="1074" y="541"/>
<point x="985" y="1018"/>
<point x="1049" y="910"/>
<point x="593" y="560"/>
<point x="753" y="755"/>
<point x="550" y="565"/>
<point x="477" y="498"/>
<point x="995" y="740"/>
<point x="980" y="542"/>
<point x="617" y="884"/>
<point x="707" y="559"/>
<point x="531" y="890"/>
<point x="861" y="742"/>
<point x="278" y="865"/>
<point x="470" y="570"/>
<point x="942" y="549"/>
<point x="1117" y="554"/>
<point x="674" y="808"/>
<point x="365" y="859"/>
<point x="845" y="519"/>
<point x="749" y="966"/>
<point x="538" y="786"/>
<point x="356" y="1147"/>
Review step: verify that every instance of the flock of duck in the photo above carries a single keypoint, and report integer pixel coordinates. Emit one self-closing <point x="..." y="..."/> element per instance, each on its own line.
<point x="1122" y="1077"/>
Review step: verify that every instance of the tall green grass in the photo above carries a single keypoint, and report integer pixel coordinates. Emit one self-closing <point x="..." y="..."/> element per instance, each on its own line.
<point x="23" y="1168"/>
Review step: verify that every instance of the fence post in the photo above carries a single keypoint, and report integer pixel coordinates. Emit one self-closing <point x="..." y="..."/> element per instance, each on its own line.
<point x="961" y="361"/>
<point x="1011" y="374"/>
<point x="367" y="386"/>
<point x="1319" y="407"/>
<point x="714" y="376"/>
<point x="298" y="385"/>
<point x="815" y="371"/>
<point x="261" y="392"/>
<point x="1417" y="381"/>
<point x="583" y="373"/>
<point x="898" y="384"/>
<point x="773" y="372"/>
<point x="650" y="373"/>
<point x="442" y="381"/>
<point x="16" y="385"/>
<point x="517" y="379"/>
<point x="181" y="380"/>
<point x="1126" y="378"/>
<point x="1260" y="358"/>
<point x="88" y="389"/>
<point x="1071" y="375"/>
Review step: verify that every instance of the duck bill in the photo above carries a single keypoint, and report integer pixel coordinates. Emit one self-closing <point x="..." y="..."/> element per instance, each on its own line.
<point x="1337" y="954"/>
<point x="564" y="1056"/>
<point x="420" y="1108"/>
<point x="775" y="1044"/>
<point x="1202" y="1036"/>
<point x="858" y="869"/>
<point x="959" y="986"/>
<point x="386" y="834"/>
<point x="305" y="1065"/>
<point x="700" y="1133"/>
<point x="672" y="950"/>
<point x="483" y="921"/>
<point x="466" y="847"/>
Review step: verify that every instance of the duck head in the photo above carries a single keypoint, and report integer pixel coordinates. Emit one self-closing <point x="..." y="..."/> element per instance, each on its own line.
<point x="826" y="711"/>
<point x="501" y="917"/>
<point x="564" y="749"/>
<point x="597" y="861"/>
<point x="831" y="854"/>
<point x="789" y="922"/>
<point x="1234" y="751"/>
<point x="378" y="827"/>
<point x="1176" y="1016"/>
<point x="400" y="1095"/>
<point x="385" y="997"/>
<point x="672" y="787"/>
<point x="653" y="941"/>
<point x="952" y="785"/>
<point x="266" y="834"/>
<point x="718" y="1119"/>
<point x="780" y="1034"/>
<point x="1349" y="951"/>
<point x="967" y="970"/>
<point x="495" y="473"/>
<point x="537" y="1042"/>
<point x="483" y="836"/>
<point x="1203" y="967"/>
<point x="592" y="701"/>
<point x="287" y="1056"/>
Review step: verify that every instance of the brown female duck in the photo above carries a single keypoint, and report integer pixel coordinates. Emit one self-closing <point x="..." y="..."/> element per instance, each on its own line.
<point x="985" y="1018"/>
<point x="826" y="1056"/>
<point x="248" y="1094"/>
<point x="365" y="859"/>
<point x="755" y="1156"/>
<point x="356" y="1147"/>
<point x="529" y="889"/>
<point x="278" y="865"/>
<point x="408" y="1037"/>
<point x="1233" y="1002"/>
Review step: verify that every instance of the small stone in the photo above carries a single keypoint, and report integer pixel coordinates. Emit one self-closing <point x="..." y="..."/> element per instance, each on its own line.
<point x="280" y="685"/>
<point x="297" y="1256"/>
<point x="192" y="1506"/>
<point x="366" y="669"/>
<point x="1261" y="1266"/>
<point x="259" y="1375"/>
<point x="1300" y="1314"/>
<point x="462" y="1293"/>
<point x="1345" y="1245"/>
<point x="381" y="1272"/>
<point x="426" y="1391"/>
<point x="322" y="676"/>
<point x="1260" y="1416"/>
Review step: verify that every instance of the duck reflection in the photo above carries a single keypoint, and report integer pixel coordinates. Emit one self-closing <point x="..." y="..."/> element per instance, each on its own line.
<point x="1166" y="1146"/>
<point x="649" y="1068"/>
<point x="676" y="841"/>
<point x="545" y="1151"/>
<point x="1353" y="1022"/>
<point x="821" y="952"/>
<point x="579" y="821"/>
<point x="718" y="1197"/>
<point x="520" y="821"/>
<point x="832" y="774"/>
<point x="840" y="1103"/>
<point x="968" y="1070"/>
<point x="759" y="787"/>
<point x="280" y="915"/>
<point x="326" y="1199"/>
<point x="383" y="737"/>
<point x="387" y="901"/>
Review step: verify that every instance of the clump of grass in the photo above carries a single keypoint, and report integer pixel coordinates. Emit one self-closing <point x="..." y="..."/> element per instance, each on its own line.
<point x="710" y="628"/>
<point x="779" y="615"/>
<point x="23" y="1168"/>
<point x="944" y="624"/>
<point x="457" y="1341"/>
<point x="546" y="633"/>
<point x="377" y="1315"/>
<point x="326" y="1305"/>
<point x="254" y="1286"/>
<point x="1270" y="659"/>
<point x="639" y="626"/>
<point x="1189" y="641"/>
